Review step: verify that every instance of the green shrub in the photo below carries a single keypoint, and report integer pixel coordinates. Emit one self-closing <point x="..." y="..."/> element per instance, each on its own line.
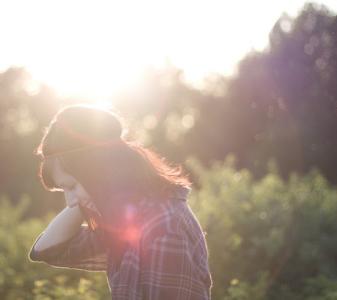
<point x="21" y="279"/>
<point x="284" y="229"/>
<point x="268" y="239"/>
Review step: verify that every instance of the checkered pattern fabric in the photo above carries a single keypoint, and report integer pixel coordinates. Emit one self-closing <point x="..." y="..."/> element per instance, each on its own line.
<point x="166" y="257"/>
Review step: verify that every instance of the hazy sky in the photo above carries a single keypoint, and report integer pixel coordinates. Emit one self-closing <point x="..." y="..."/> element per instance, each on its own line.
<point x="96" y="47"/>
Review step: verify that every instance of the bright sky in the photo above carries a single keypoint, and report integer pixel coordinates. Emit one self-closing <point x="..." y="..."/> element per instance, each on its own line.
<point x="96" y="47"/>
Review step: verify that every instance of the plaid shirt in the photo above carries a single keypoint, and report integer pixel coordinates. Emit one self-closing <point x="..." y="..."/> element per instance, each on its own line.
<point x="168" y="260"/>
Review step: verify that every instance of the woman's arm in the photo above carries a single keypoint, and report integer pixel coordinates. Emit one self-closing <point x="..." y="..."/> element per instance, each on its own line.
<point x="64" y="226"/>
<point x="66" y="242"/>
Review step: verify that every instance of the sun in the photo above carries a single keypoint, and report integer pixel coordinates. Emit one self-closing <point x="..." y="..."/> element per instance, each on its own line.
<point x="95" y="48"/>
<point x="109" y="44"/>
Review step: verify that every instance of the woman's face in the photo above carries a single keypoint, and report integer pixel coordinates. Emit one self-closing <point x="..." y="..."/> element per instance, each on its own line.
<point x="74" y="192"/>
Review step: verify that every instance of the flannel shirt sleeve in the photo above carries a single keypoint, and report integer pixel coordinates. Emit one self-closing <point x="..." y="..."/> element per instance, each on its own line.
<point x="169" y="270"/>
<point x="84" y="251"/>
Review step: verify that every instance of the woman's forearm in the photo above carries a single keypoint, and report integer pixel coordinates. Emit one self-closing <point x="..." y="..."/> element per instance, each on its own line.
<point x="61" y="228"/>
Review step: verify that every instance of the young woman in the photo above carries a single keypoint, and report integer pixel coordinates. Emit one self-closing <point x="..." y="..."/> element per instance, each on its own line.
<point x="126" y="211"/>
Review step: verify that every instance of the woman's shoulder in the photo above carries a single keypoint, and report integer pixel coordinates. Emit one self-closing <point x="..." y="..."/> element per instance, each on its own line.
<point x="171" y="217"/>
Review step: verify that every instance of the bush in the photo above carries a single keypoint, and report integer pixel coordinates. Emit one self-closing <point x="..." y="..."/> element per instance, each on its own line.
<point x="268" y="239"/>
<point x="283" y="229"/>
<point x="21" y="279"/>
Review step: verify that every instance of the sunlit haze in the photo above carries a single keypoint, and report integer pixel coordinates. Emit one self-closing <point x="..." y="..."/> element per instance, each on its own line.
<point x="96" y="47"/>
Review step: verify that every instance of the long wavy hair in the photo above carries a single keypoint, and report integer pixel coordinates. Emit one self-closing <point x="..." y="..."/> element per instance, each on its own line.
<point x="89" y="143"/>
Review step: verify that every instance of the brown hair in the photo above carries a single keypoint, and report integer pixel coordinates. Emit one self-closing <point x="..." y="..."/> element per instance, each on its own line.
<point x="90" y="146"/>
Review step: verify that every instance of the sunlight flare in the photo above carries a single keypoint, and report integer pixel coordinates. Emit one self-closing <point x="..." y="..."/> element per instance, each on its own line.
<point x="95" y="48"/>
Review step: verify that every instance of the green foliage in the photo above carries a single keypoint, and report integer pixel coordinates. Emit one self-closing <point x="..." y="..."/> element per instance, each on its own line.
<point x="268" y="236"/>
<point x="320" y="288"/>
<point x="246" y="291"/>
<point x="268" y="239"/>
<point x="22" y="279"/>
<point x="60" y="289"/>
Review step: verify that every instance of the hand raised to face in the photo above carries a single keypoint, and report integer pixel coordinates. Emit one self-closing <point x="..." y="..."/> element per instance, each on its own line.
<point x="74" y="192"/>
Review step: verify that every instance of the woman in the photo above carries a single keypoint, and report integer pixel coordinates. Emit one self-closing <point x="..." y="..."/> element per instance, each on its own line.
<point x="138" y="226"/>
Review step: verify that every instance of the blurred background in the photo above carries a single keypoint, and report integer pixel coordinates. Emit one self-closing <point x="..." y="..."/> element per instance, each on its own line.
<point x="242" y="93"/>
